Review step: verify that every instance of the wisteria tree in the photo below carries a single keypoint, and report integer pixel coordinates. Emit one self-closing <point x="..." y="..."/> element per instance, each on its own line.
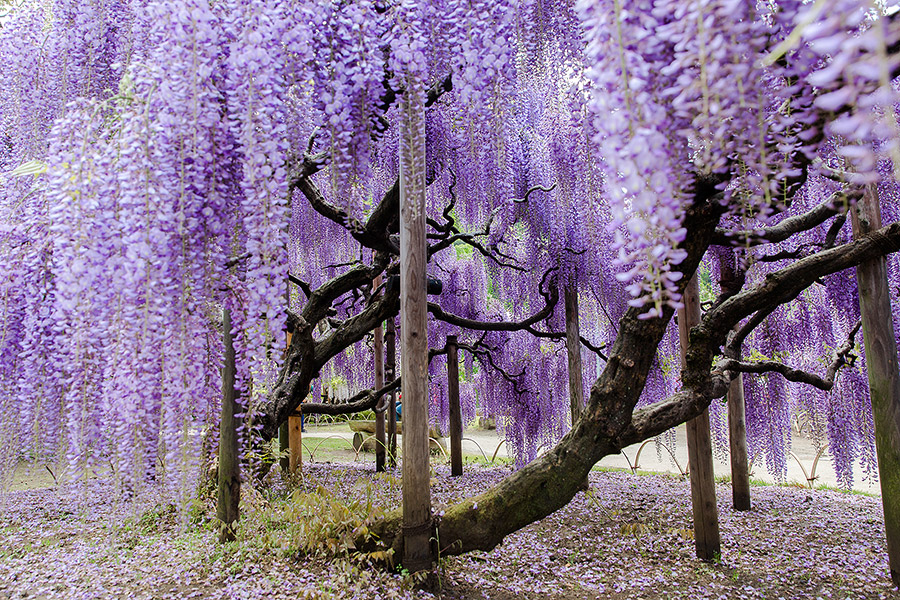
<point x="162" y="163"/>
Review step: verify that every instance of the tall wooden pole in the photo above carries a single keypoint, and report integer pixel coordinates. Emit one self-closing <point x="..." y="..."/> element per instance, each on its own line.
<point x="295" y="441"/>
<point x="573" y="349"/>
<point x="731" y="279"/>
<point x="284" y="439"/>
<point x="378" y="351"/>
<point x="413" y="333"/>
<point x="884" y="374"/>
<point x="390" y="368"/>
<point x="737" y="441"/>
<point x="229" y="484"/>
<point x="456" y="429"/>
<point x="703" y="484"/>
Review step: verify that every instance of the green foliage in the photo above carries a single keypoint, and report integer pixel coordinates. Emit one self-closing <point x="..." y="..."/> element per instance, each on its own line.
<point x="478" y="459"/>
<point x="268" y="453"/>
<point x="321" y="523"/>
<point x="32" y="167"/>
<point x="153" y="519"/>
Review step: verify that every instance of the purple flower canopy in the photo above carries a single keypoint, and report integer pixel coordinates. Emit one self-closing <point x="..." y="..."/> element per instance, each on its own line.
<point x="145" y="169"/>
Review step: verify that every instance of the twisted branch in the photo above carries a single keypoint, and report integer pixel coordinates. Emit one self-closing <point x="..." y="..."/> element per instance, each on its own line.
<point x="840" y="357"/>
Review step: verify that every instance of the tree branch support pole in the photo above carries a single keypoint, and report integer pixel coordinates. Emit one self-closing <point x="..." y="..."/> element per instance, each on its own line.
<point x="884" y="374"/>
<point x="378" y="351"/>
<point x="284" y="443"/>
<point x="390" y="369"/>
<point x="417" y="523"/>
<point x="229" y="484"/>
<point x="737" y="441"/>
<point x="731" y="280"/>
<point x="703" y="485"/>
<point x="456" y="428"/>
<point x="573" y="349"/>
<point x="295" y="441"/>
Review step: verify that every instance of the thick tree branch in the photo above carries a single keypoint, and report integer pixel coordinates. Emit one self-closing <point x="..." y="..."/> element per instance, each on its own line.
<point x="835" y="204"/>
<point x="840" y="357"/>
<point x="356" y="327"/>
<point x="702" y="383"/>
<point x="551" y="297"/>
<point x="374" y="238"/>
<point x="386" y="216"/>
<point x="323" y="298"/>
<point x="306" y="356"/>
<point x="786" y="284"/>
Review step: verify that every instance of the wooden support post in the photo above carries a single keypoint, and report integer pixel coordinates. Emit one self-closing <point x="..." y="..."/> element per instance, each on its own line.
<point x="884" y="374"/>
<point x="731" y="279"/>
<point x="456" y="428"/>
<point x="573" y="349"/>
<point x="414" y="339"/>
<point x="737" y="440"/>
<point x="390" y="368"/>
<point x="378" y="351"/>
<point x="295" y="439"/>
<point x="229" y="484"/>
<point x="284" y="439"/>
<point x="703" y="484"/>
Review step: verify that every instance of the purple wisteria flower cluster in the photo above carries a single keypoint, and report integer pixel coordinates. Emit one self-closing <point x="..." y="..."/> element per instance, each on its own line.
<point x="150" y="155"/>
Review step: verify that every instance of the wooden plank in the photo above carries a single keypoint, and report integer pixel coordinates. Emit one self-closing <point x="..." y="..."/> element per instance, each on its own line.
<point x="456" y="429"/>
<point x="378" y="351"/>
<point x="573" y="350"/>
<point x="883" y="372"/>
<point x="700" y="459"/>
<point x="229" y="484"/>
<point x="414" y="338"/>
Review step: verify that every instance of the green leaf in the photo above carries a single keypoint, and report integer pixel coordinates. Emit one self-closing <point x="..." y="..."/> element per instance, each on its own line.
<point x="32" y="167"/>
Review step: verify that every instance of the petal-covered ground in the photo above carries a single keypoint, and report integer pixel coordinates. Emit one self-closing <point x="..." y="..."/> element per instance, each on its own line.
<point x="629" y="536"/>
